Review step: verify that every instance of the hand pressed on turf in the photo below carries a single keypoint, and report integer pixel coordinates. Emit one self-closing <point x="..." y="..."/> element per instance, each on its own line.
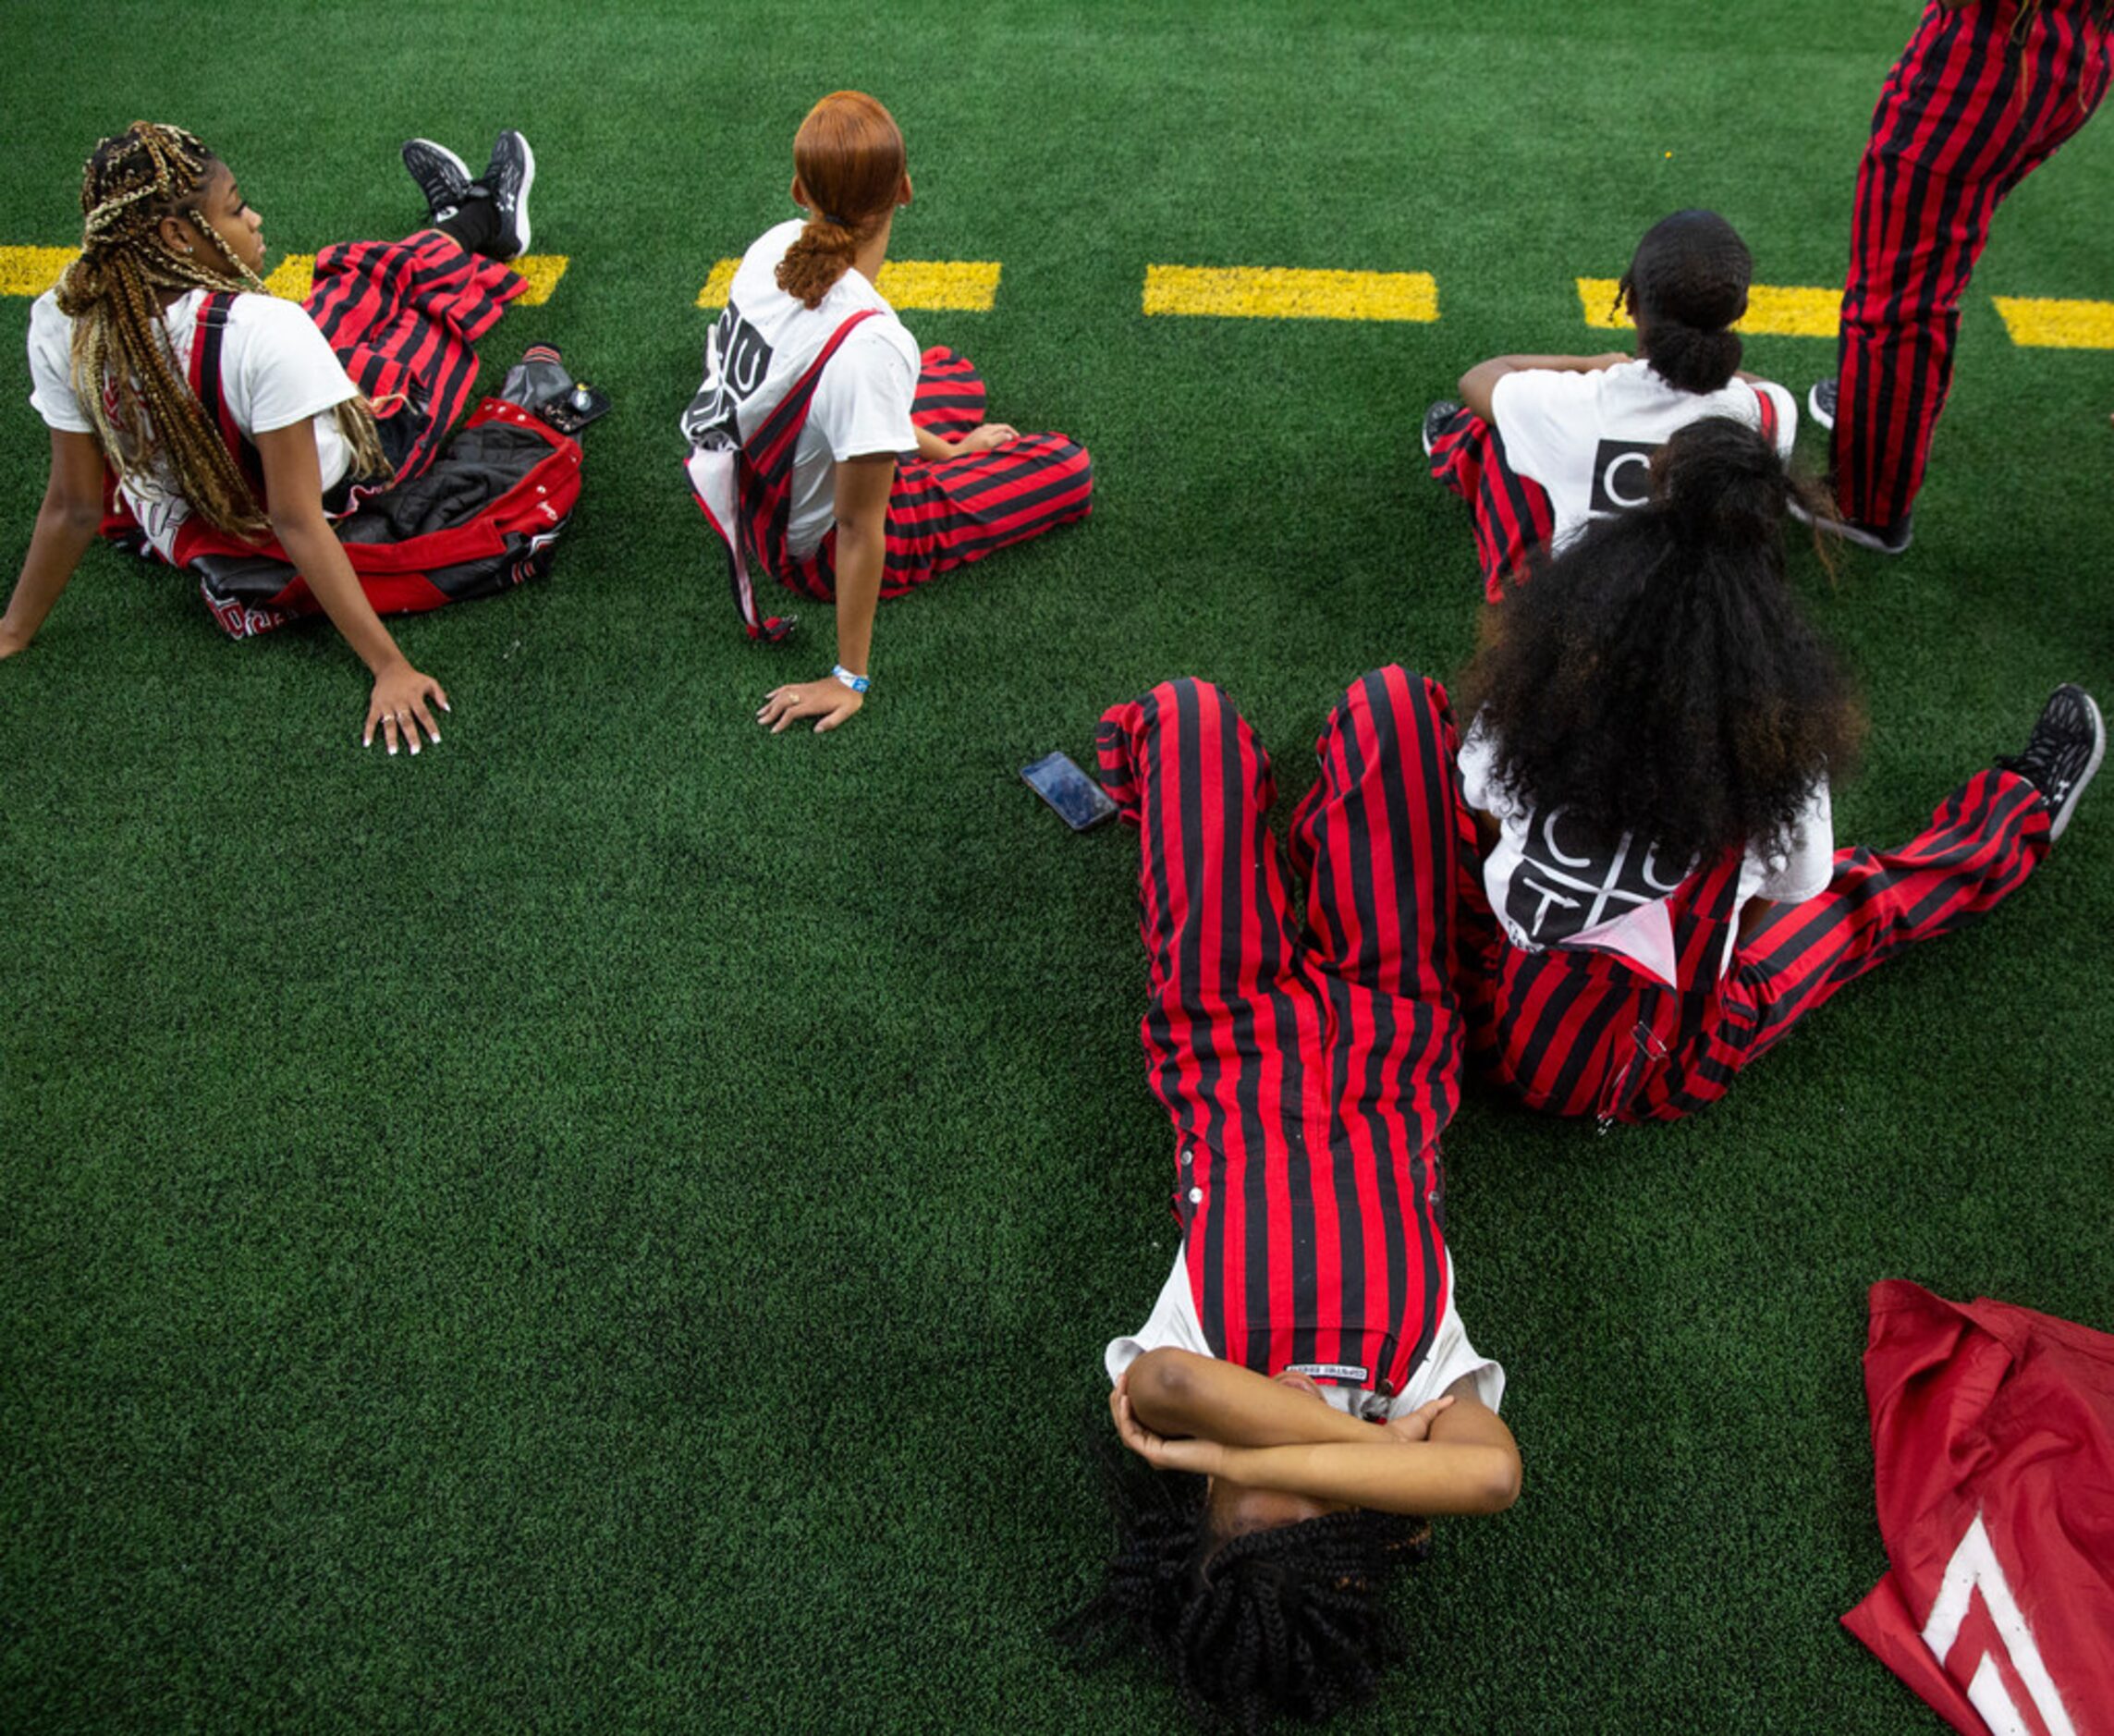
<point x="828" y="701"/>
<point x="399" y="705"/>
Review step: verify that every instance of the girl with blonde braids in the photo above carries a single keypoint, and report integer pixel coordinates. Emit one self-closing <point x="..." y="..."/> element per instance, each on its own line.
<point x="239" y="426"/>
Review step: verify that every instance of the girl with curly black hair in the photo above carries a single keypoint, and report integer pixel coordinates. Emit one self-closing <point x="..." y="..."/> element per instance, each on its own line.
<point x="1304" y="1385"/>
<point x="1655" y="728"/>
<point x="1540" y="446"/>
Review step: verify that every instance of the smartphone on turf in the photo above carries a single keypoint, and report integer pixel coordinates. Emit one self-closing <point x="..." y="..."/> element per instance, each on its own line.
<point x="1080" y="802"/>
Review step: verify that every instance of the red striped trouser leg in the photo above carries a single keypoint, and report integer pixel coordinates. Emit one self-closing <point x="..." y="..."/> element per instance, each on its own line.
<point x="1513" y="514"/>
<point x="1981" y="844"/>
<point x="1965" y="113"/>
<point x="951" y="394"/>
<point x="404" y="317"/>
<point x="1233" y="1030"/>
<point x="1383" y="839"/>
<point x="945" y="514"/>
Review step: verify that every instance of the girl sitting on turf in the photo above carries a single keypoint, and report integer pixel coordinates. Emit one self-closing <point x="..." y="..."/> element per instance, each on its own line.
<point x="240" y="426"/>
<point x="827" y="452"/>
<point x="1654" y="730"/>
<point x="1541" y="445"/>
<point x="1304" y="1385"/>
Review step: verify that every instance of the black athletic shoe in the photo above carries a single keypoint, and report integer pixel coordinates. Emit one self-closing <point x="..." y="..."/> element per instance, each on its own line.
<point x="1881" y="538"/>
<point x="443" y="177"/>
<point x="2062" y="754"/>
<point x="507" y="179"/>
<point x="1436" y="419"/>
<point x="1821" y="402"/>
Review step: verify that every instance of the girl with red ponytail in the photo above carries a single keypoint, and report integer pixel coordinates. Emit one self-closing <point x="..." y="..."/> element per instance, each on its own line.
<point x="826" y="451"/>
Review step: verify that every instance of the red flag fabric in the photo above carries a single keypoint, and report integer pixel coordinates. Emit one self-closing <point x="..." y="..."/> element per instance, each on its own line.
<point x="1993" y="1434"/>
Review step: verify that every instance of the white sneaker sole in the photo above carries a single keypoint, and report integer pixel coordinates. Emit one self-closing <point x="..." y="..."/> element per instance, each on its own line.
<point x="2059" y="818"/>
<point x="522" y="199"/>
<point x="1814" y="408"/>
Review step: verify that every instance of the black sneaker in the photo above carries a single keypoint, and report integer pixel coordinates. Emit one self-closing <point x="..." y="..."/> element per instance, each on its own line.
<point x="1881" y="538"/>
<point x="507" y="179"/>
<point x="2062" y="754"/>
<point x="443" y="177"/>
<point x="1436" y="419"/>
<point x="1821" y="402"/>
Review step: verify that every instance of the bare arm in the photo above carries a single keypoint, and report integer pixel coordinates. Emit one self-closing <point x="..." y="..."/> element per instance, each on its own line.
<point x="1453" y="1455"/>
<point x="66" y="523"/>
<point x="932" y="448"/>
<point x="1481" y="380"/>
<point x="293" y="501"/>
<point x="862" y="510"/>
<point x="1180" y="1393"/>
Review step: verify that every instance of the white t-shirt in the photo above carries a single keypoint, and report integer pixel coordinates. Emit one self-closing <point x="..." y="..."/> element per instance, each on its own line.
<point x="1587" y="438"/>
<point x="1552" y="888"/>
<point x="1173" y="1323"/>
<point x="275" y="368"/>
<point x="766" y="340"/>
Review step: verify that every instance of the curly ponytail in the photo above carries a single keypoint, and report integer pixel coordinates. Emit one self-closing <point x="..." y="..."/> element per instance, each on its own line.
<point x="849" y="160"/>
<point x="1686" y="284"/>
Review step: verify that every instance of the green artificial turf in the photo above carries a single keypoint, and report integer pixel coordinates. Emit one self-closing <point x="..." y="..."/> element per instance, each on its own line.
<point x="612" y="1224"/>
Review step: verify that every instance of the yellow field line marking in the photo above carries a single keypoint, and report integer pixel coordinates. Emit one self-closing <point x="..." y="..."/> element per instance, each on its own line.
<point x="2051" y="324"/>
<point x="958" y="284"/>
<point x="1777" y="310"/>
<point x="1277" y="293"/>
<point x="294" y="276"/>
<point x="30" y="271"/>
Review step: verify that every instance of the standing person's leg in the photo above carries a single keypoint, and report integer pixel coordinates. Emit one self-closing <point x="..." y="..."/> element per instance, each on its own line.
<point x="1980" y="846"/>
<point x="1214" y="911"/>
<point x="1511" y="513"/>
<point x="1966" y="112"/>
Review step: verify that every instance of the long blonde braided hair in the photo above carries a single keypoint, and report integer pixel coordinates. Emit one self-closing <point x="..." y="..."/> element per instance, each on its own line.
<point x="124" y="371"/>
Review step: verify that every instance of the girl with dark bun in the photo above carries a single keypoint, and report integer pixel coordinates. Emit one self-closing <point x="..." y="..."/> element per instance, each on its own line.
<point x="1541" y="445"/>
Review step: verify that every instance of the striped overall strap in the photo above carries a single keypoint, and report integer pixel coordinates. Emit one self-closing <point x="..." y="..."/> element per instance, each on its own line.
<point x="1767" y="407"/>
<point x="764" y="477"/>
<point x="209" y="340"/>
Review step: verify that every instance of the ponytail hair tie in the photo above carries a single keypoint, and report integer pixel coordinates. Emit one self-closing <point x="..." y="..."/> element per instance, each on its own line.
<point x="830" y="216"/>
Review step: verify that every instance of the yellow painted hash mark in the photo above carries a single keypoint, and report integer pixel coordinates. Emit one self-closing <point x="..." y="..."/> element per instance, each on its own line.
<point x="1777" y="310"/>
<point x="2046" y="324"/>
<point x="961" y="285"/>
<point x="719" y="285"/>
<point x="1277" y="293"/>
<point x="294" y="276"/>
<point x="964" y="286"/>
<point x="30" y="271"/>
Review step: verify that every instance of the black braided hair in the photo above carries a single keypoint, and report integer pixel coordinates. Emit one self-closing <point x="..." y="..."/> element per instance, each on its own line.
<point x="1687" y="283"/>
<point x="1289" y="1622"/>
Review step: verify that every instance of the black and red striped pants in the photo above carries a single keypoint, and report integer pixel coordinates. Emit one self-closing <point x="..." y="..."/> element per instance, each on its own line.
<point x="1309" y="1060"/>
<point x="947" y="512"/>
<point x="1513" y="514"/>
<point x="1979" y="99"/>
<point x="1577" y="1031"/>
<point x="404" y="318"/>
